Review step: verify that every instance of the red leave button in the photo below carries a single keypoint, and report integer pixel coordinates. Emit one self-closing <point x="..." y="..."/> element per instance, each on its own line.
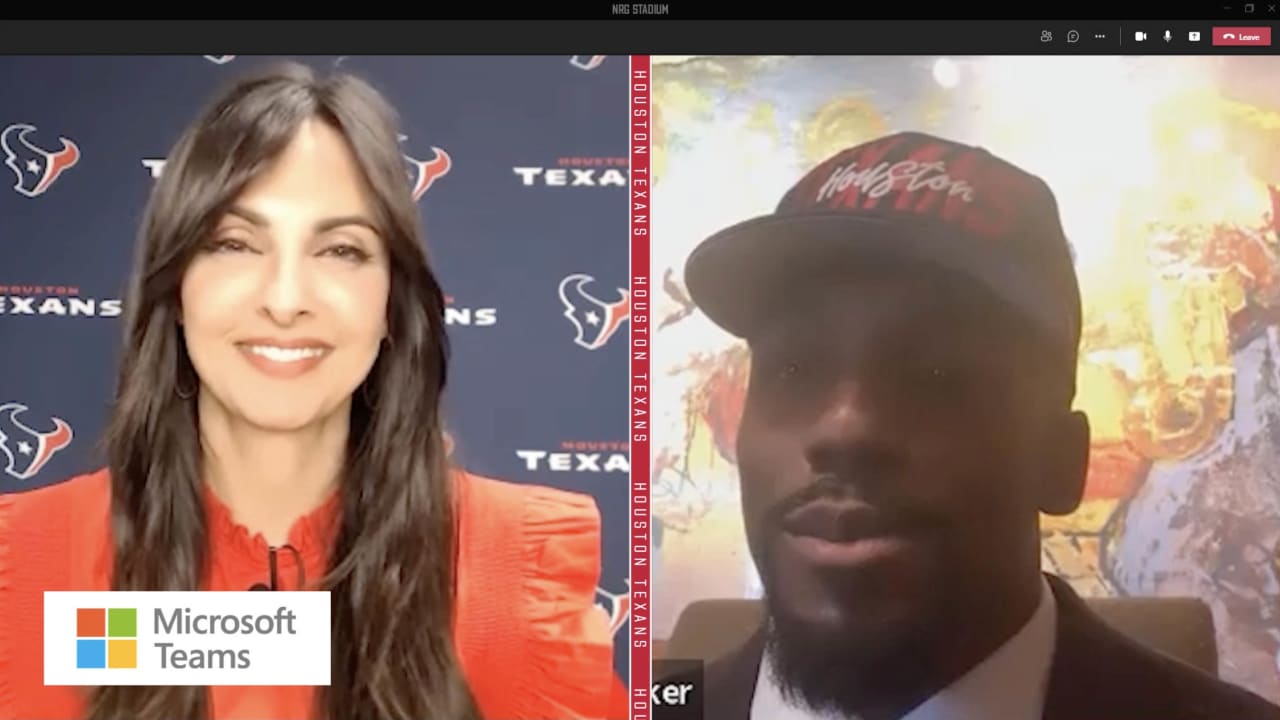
<point x="1246" y="36"/>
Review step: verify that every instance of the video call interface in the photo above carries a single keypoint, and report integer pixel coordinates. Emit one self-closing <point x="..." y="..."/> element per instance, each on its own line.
<point x="911" y="375"/>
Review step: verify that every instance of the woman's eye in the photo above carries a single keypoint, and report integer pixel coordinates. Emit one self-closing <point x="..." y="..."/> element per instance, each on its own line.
<point x="228" y="245"/>
<point x="348" y="252"/>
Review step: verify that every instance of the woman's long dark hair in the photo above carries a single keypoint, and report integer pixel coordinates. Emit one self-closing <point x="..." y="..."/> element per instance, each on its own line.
<point x="393" y="567"/>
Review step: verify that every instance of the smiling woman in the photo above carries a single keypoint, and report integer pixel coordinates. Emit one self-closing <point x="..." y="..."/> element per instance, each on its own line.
<point x="284" y="304"/>
<point x="278" y="416"/>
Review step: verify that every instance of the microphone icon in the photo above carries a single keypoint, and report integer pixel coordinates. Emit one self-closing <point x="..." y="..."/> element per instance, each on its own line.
<point x="1167" y="36"/>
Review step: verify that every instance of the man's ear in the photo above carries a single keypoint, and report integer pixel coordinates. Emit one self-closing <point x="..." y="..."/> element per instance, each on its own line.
<point x="1066" y="463"/>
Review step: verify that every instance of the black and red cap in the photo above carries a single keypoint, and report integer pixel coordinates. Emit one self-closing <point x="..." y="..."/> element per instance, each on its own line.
<point x="911" y="196"/>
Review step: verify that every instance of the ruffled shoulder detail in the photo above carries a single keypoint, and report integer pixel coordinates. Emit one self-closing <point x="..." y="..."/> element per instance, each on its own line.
<point x="53" y="538"/>
<point x="552" y="629"/>
<point x="8" y="654"/>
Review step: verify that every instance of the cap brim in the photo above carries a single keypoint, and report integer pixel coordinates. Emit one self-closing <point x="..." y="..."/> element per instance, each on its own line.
<point x="737" y="276"/>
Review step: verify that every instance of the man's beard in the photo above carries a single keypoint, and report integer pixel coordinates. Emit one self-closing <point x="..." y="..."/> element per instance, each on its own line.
<point x="839" y="668"/>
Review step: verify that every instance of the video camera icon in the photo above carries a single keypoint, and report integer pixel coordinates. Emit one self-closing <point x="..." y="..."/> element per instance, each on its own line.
<point x="1139" y="36"/>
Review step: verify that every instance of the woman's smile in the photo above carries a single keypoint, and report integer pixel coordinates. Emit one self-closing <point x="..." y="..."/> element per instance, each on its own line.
<point x="284" y="358"/>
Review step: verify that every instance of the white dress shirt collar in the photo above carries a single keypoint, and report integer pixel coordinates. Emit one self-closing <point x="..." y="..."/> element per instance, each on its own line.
<point x="1009" y="684"/>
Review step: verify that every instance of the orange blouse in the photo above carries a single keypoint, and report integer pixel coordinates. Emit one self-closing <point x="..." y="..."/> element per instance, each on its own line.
<point x="532" y="642"/>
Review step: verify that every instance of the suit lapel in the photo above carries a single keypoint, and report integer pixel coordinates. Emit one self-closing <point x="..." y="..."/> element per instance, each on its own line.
<point x="731" y="681"/>
<point x="1079" y="679"/>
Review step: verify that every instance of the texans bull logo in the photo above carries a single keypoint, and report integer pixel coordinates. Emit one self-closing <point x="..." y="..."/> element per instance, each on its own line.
<point x="587" y="62"/>
<point x="35" y="167"/>
<point x="23" y="451"/>
<point x="616" y="605"/>
<point x="594" y="319"/>
<point x="422" y="173"/>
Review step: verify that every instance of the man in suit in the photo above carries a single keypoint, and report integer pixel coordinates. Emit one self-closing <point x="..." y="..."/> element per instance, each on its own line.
<point x="914" y="318"/>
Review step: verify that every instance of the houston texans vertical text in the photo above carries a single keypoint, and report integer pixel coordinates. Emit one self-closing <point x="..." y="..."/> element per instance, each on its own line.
<point x="641" y="539"/>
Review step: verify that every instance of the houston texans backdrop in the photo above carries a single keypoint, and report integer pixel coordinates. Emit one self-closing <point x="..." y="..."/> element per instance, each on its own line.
<point x="519" y="166"/>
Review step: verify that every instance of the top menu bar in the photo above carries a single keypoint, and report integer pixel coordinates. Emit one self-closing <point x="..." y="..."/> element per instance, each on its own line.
<point x="915" y="10"/>
<point x="675" y="37"/>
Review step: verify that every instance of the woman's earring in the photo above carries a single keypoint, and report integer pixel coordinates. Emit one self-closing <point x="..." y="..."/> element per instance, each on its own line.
<point x="182" y="392"/>
<point x="178" y="388"/>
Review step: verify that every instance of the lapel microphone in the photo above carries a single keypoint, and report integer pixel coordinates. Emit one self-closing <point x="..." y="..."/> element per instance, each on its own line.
<point x="273" y="582"/>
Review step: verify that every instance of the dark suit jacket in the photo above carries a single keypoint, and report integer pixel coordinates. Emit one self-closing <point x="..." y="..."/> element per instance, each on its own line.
<point x="1097" y="674"/>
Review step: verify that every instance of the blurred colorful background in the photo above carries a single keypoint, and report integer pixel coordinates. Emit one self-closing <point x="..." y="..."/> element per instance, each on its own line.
<point x="1167" y="172"/>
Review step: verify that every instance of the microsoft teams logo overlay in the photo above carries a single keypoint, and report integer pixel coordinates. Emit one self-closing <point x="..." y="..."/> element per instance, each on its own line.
<point x="186" y="638"/>
<point x="106" y="638"/>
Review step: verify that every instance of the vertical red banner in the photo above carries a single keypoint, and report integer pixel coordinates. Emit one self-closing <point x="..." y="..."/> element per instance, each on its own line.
<point x="641" y="521"/>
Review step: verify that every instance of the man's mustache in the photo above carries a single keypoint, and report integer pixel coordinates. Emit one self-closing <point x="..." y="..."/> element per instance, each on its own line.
<point x="898" y="510"/>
